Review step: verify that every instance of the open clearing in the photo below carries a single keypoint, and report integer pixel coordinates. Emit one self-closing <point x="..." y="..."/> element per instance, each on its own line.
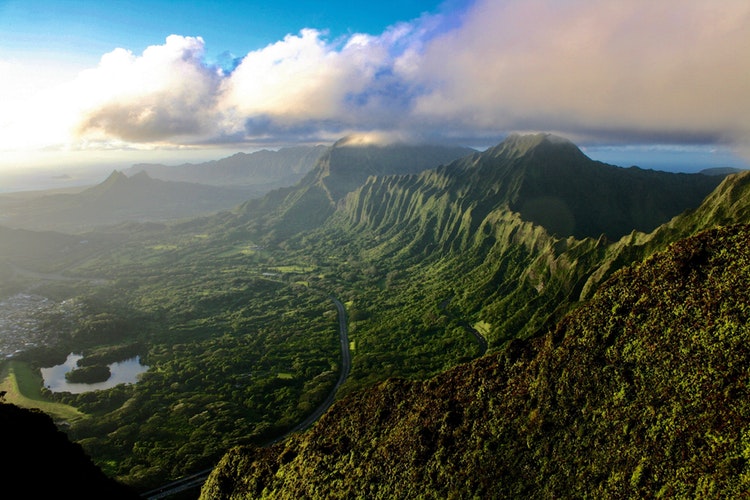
<point x="22" y="387"/>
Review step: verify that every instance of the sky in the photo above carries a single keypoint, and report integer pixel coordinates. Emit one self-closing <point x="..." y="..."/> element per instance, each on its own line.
<point x="662" y="84"/>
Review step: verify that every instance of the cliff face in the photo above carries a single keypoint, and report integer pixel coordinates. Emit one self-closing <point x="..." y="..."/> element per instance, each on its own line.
<point x="545" y="179"/>
<point x="642" y="391"/>
<point x="40" y="461"/>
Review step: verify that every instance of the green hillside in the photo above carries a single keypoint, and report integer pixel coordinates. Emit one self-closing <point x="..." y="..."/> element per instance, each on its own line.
<point x="233" y="313"/>
<point x="641" y="392"/>
<point x="452" y="248"/>
<point x="546" y="179"/>
<point x="342" y="168"/>
<point x="119" y="199"/>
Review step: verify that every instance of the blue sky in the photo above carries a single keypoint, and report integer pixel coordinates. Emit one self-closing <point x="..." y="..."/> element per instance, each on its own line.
<point x="126" y="81"/>
<point x="84" y="30"/>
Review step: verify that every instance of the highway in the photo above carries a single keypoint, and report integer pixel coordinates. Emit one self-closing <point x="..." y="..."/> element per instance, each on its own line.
<point x="483" y="345"/>
<point x="346" y="365"/>
<point x="196" y="480"/>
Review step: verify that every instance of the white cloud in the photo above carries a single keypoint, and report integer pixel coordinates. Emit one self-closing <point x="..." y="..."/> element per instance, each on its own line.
<point x="31" y="113"/>
<point x="636" y="66"/>
<point x="305" y="78"/>
<point x="167" y="93"/>
<point x="299" y="78"/>
<point x="301" y="84"/>
<point x="672" y="69"/>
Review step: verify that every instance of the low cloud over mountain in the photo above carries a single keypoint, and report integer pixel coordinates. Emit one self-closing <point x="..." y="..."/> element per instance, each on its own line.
<point x="668" y="71"/>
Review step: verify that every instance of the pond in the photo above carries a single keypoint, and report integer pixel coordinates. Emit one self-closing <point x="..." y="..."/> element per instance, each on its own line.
<point x="123" y="372"/>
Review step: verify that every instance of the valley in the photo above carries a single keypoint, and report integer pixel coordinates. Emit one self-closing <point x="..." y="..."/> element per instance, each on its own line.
<point x="640" y="392"/>
<point x="438" y="267"/>
<point x="169" y="193"/>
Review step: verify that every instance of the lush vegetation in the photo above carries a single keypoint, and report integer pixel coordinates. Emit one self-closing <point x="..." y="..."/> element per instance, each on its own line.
<point x="88" y="374"/>
<point x="233" y="361"/>
<point x="240" y="350"/>
<point x="22" y="386"/>
<point x="232" y="312"/>
<point x="641" y="392"/>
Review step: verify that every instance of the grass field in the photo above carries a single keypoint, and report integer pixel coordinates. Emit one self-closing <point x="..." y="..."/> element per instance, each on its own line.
<point x="482" y="327"/>
<point x="292" y="269"/>
<point x="22" y="387"/>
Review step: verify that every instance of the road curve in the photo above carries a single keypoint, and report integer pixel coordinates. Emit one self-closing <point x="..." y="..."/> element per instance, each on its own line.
<point x="346" y="365"/>
<point x="481" y="340"/>
<point x="196" y="480"/>
<point x="483" y="345"/>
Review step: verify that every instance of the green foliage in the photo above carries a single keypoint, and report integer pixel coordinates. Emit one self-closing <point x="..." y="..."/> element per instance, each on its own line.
<point x="231" y="312"/>
<point x="642" y="392"/>
<point x="88" y="374"/>
<point x="215" y="382"/>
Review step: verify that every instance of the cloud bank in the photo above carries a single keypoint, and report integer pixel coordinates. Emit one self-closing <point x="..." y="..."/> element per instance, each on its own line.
<point x="666" y="71"/>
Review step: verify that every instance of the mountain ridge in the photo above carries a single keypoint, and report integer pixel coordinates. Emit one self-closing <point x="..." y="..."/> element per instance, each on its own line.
<point x="599" y="406"/>
<point x="523" y="174"/>
<point x="422" y="260"/>
<point x="340" y="169"/>
<point x="270" y="168"/>
<point x="119" y="199"/>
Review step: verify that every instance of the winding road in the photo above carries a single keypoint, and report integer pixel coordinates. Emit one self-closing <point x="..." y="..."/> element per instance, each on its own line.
<point x="197" y="479"/>
<point x="346" y="365"/>
<point x="481" y="339"/>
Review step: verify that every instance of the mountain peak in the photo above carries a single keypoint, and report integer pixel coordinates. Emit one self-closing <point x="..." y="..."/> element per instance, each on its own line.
<point x="549" y="182"/>
<point x="517" y="145"/>
<point x="119" y="180"/>
<point x="115" y="176"/>
<point x="349" y="163"/>
<point x="533" y="140"/>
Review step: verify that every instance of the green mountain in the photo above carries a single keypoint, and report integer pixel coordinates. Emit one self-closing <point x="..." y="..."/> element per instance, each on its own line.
<point x="118" y="199"/>
<point x="265" y="169"/>
<point x="469" y="251"/>
<point x="640" y="392"/>
<point x="545" y="179"/>
<point x="510" y="237"/>
<point x="344" y="167"/>
<point x="436" y="267"/>
<point x="347" y="165"/>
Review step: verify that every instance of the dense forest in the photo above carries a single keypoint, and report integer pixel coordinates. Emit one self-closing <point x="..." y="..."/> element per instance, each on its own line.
<point x="640" y="392"/>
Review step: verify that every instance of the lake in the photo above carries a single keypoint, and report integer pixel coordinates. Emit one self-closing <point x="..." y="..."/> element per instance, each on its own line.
<point x="123" y="372"/>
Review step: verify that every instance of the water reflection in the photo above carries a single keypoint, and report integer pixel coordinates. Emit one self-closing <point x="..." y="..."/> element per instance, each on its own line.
<point x="123" y="372"/>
